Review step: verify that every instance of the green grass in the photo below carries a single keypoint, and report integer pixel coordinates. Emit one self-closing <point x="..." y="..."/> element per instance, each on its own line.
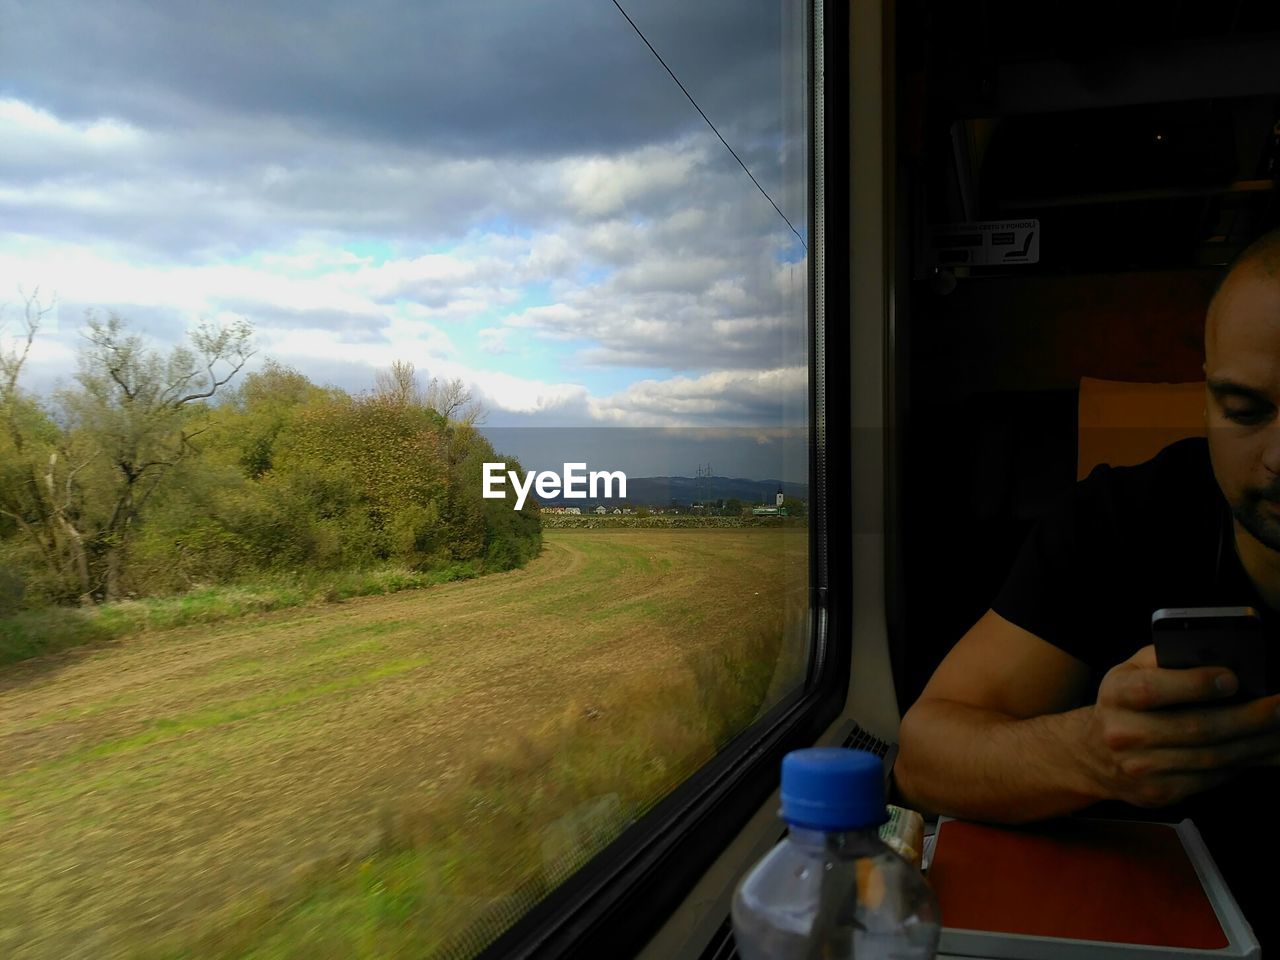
<point x="443" y="881"/>
<point x="37" y="632"/>
<point x="167" y="728"/>
<point x="394" y="776"/>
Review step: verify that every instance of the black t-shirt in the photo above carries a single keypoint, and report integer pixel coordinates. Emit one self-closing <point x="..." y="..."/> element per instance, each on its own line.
<point x="1129" y="541"/>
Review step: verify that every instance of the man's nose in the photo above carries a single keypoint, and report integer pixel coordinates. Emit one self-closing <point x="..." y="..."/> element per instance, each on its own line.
<point x="1271" y="449"/>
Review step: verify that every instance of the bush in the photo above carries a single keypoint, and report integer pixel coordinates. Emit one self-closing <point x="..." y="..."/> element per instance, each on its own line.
<point x="12" y="590"/>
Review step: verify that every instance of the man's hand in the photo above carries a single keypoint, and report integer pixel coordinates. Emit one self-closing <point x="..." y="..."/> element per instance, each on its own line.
<point x="1155" y="736"/>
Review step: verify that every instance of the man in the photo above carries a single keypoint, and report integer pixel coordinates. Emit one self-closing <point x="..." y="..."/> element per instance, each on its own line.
<point x="1053" y="704"/>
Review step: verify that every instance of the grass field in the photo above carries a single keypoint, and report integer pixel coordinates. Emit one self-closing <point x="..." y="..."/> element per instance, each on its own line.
<point x="390" y="776"/>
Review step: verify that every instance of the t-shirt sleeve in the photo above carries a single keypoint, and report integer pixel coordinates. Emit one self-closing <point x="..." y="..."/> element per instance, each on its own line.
<point x="1061" y="586"/>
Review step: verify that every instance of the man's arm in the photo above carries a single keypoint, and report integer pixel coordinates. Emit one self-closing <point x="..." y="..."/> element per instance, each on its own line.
<point x="989" y="739"/>
<point x="1000" y="734"/>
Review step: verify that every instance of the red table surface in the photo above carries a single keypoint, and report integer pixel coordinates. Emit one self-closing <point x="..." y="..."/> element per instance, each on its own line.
<point x="1122" y="882"/>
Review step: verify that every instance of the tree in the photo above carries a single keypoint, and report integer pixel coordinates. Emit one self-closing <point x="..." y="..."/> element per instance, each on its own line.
<point x="375" y="478"/>
<point x="27" y="437"/>
<point x="130" y="421"/>
<point x="451" y="399"/>
<point x="136" y="407"/>
<point x="13" y="359"/>
<point x="259" y="409"/>
<point x="399" y="385"/>
<point x="795" y="507"/>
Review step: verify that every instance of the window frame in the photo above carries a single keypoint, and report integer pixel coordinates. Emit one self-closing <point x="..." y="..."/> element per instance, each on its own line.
<point x="615" y="903"/>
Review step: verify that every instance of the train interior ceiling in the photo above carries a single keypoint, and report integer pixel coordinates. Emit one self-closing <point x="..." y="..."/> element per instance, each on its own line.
<point x="1144" y="141"/>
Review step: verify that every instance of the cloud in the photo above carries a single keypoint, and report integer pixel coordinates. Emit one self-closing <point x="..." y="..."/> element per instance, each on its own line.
<point x="755" y="396"/>
<point x="344" y="327"/>
<point x="604" y="186"/>
<point x="511" y="193"/>
<point x="207" y="195"/>
<point x="495" y="340"/>
<point x="505" y="77"/>
<point x="524" y="395"/>
<point x="739" y="308"/>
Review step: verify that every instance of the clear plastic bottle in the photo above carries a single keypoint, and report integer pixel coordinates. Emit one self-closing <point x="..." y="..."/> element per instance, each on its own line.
<point x="832" y="889"/>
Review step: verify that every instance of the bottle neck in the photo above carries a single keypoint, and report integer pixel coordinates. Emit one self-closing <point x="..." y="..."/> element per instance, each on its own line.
<point x="842" y="840"/>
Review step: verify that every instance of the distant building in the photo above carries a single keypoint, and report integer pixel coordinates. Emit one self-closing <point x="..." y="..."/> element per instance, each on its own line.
<point x="777" y="510"/>
<point x="601" y="511"/>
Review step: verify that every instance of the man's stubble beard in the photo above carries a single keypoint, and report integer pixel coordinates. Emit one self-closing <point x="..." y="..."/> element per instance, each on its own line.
<point x="1257" y="518"/>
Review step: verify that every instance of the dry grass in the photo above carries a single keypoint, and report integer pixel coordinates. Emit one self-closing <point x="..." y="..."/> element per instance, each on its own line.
<point x="393" y="776"/>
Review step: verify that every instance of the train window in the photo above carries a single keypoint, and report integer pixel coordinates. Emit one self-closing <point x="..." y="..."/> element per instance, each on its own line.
<point x="410" y="435"/>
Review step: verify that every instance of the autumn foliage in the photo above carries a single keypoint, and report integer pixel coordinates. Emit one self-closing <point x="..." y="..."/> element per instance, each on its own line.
<point x="158" y="473"/>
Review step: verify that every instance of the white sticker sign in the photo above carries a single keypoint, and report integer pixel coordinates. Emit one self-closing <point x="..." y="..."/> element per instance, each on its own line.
<point x="986" y="243"/>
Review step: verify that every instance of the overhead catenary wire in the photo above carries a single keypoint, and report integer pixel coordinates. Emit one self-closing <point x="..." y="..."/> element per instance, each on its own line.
<point x="764" y="193"/>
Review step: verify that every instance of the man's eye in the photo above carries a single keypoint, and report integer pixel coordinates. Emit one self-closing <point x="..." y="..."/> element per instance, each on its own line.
<point x="1248" y="416"/>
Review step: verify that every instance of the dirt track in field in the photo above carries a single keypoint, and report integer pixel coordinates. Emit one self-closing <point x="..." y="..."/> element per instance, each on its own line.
<point x="145" y="783"/>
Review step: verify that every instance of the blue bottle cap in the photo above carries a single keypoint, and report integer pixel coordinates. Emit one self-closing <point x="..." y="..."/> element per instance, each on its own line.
<point x="833" y="788"/>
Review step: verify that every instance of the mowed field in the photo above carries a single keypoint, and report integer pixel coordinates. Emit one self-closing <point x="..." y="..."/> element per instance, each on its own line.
<point x="390" y="776"/>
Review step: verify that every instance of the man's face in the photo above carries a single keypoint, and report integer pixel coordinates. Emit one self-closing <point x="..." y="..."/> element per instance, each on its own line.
<point x="1242" y="372"/>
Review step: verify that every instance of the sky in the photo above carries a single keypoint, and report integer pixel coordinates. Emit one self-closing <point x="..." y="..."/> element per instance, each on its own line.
<point x="511" y="193"/>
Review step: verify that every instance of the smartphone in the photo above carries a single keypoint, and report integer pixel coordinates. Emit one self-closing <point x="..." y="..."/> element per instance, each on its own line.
<point x="1229" y="637"/>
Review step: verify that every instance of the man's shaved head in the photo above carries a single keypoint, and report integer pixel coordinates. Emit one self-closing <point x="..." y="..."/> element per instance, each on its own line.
<point x="1259" y="261"/>
<point x="1263" y="253"/>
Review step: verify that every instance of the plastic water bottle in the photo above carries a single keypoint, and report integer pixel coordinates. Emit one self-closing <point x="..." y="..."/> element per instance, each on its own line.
<point x="832" y="889"/>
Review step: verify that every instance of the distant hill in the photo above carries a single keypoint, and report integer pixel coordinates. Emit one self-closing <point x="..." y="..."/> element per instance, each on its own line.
<point x="661" y="491"/>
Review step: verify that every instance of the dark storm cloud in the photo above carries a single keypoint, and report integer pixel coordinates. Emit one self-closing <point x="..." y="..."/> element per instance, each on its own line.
<point x="235" y="126"/>
<point x="162" y="200"/>
<point x="160" y="196"/>
<point x="467" y="77"/>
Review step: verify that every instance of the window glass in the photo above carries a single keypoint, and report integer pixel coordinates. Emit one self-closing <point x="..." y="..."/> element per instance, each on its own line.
<point x="316" y="320"/>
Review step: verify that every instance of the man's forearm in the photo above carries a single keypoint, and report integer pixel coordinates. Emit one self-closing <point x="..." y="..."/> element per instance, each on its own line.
<point x="963" y="761"/>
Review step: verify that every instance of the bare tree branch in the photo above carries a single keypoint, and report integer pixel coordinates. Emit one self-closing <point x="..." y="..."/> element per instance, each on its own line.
<point x="399" y="385"/>
<point x="228" y="345"/>
<point x="13" y="360"/>
<point x="454" y="401"/>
